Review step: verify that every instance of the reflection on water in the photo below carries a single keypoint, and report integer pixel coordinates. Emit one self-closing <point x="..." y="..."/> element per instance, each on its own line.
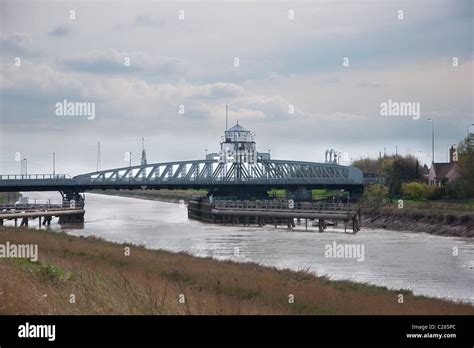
<point x="420" y="262"/>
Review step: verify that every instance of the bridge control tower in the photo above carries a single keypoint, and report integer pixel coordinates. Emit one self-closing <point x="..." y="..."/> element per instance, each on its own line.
<point x="238" y="146"/>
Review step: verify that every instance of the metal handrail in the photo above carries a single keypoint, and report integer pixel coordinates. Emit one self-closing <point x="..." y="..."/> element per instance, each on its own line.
<point x="34" y="176"/>
<point x="284" y="206"/>
<point x="40" y="206"/>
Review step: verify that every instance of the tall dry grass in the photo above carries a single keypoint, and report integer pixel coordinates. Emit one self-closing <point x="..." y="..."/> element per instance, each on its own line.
<point x="105" y="281"/>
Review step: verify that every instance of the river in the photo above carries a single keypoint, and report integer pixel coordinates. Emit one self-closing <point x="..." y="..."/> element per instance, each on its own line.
<point x="419" y="262"/>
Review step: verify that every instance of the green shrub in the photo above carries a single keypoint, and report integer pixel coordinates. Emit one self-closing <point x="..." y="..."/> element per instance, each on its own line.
<point x="418" y="190"/>
<point x="375" y="191"/>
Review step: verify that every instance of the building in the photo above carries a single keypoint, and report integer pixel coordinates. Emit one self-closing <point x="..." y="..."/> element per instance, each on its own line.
<point x="238" y="146"/>
<point x="442" y="173"/>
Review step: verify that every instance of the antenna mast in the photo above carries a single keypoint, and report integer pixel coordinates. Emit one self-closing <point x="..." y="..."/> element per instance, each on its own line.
<point x="143" y="158"/>
<point x="226" y="116"/>
<point x="98" y="156"/>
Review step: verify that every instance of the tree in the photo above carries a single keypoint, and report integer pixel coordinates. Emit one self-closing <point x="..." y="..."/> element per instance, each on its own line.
<point x="367" y="165"/>
<point x="396" y="170"/>
<point x="463" y="187"/>
<point x="403" y="169"/>
<point x="375" y="191"/>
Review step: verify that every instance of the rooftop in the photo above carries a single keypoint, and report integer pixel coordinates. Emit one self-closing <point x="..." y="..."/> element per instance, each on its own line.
<point x="237" y="128"/>
<point x="442" y="169"/>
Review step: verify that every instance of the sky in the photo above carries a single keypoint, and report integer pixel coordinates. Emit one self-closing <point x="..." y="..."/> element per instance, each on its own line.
<point x="165" y="70"/>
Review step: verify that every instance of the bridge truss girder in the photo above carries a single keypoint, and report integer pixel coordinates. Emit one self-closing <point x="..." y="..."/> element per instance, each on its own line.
<point x="208" y="172"/>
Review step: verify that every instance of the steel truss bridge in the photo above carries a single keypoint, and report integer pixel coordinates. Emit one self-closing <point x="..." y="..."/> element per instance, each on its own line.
<point x="207" y="174"/>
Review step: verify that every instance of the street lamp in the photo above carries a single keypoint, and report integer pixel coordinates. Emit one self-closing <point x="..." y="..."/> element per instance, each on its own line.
<point x="470" y="139"/>
<point x="469" y="126"/>
<point x="432" y="139"/>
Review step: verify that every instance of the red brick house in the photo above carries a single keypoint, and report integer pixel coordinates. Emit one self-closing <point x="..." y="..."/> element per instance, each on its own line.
<point x="442" y="173"/>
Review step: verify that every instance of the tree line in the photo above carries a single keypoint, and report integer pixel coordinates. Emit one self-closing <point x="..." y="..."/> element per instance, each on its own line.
<point x="404" y="176"/>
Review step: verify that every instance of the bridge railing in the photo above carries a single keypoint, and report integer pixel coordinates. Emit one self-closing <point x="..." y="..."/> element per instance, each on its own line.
<point x="39" y="206"/>
<point x="285" y="206"/>
<point x="34" y="176"/>
<point x="220" y="180"/>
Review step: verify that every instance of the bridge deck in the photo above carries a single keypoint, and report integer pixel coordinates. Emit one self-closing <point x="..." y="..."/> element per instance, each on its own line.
<point x="213" y="175"/>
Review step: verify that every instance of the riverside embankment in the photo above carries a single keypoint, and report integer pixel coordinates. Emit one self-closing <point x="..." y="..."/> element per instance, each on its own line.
<point x="422" y="263"/>
<point x="77" y="275"/>
<point x="437" y="218"/>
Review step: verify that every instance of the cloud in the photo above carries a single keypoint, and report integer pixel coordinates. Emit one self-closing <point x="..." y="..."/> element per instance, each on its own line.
<point x="33" y="80"/>
<point x="17" y="44"/>
<point x="190" y="63"/>
<point x="60" y="31"/>
<point x="367" y="84"/>
<point x="140" y="21"/>
<point x="120" y="62"/>
<point x="146" y="21"/>
<point x="217" y="90"/>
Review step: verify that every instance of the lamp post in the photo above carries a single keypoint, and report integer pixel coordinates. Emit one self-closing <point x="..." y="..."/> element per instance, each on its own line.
<point x="469" y="126"/>
<point x="470" y="139"/>
<point x="432" y="139"/>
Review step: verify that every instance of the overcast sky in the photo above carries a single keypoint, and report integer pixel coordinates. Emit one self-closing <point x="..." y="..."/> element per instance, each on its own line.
<point x="190" y="62"/>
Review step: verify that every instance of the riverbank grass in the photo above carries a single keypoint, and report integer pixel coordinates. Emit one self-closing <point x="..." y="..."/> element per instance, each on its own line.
<point x="77" y="275"/>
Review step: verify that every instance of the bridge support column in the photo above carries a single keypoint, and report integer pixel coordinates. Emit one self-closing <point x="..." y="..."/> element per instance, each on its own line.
<point x="299" y="194"/>
<point x="73" y="218"/>
<point x="75" y="201"/>
<point x="69" y="196"/>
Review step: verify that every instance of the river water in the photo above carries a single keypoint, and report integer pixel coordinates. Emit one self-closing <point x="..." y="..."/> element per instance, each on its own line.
<point x="419" y="262"/>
